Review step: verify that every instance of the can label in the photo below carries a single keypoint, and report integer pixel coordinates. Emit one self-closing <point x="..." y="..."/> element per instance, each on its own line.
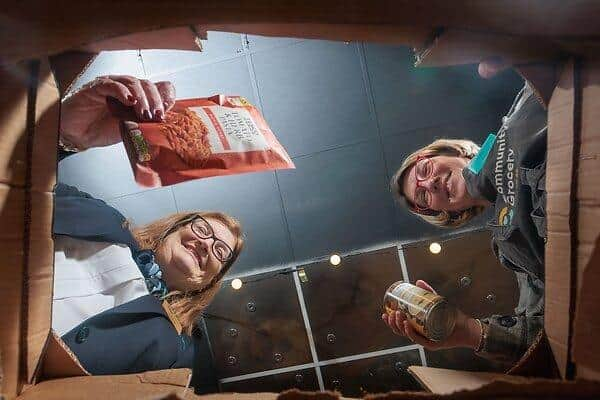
<point x="419" y="304"/>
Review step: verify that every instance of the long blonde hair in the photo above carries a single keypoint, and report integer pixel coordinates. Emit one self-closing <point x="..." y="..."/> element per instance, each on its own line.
<point x="188" y="306"/>
<point x="440" y="147"/>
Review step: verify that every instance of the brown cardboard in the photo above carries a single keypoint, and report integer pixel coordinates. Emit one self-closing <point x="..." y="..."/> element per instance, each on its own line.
<point x="586" y="352"/>
<point x="455" y="47"/>
<point x="147" y="385"/>
<point x="26" y="219"/>
<point x="408" y="35"/>
<point x="38" y="28"/>
<point x="178" y="38"/>
<point x="447" y="381"/>
<point x="28" y="118"/>
<point x="59" y="361"/>
<point x="559" y="170"/>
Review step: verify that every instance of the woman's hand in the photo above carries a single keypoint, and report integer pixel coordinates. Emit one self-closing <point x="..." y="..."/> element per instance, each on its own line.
<point x="490" y="67"/>
<point x="86" y="121"/>
<point x="467" y="331"/>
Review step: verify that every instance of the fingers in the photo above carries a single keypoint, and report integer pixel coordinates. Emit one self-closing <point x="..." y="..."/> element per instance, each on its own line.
<point x="425" y="285"/>
<point x="167" y="93"/>
<point x="491" y="66"/>
<point x="151" y="100"/>
<point x="155" y="102"/>
<point x="109" y="88"/>
<point x="395" y="322"/>
<point x="413" y="335"/>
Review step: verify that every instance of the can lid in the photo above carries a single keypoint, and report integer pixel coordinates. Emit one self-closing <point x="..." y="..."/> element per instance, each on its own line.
<point x="440" y="321"/>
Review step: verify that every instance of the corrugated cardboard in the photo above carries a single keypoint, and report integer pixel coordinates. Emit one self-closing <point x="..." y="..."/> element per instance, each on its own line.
<point x="29" y="122"/>
<point x="40" y="28"/>
<point x="559" y="171"/>
<point x="28" y="175"/>
<point x="447" y="381"/>
<point x="586" y="350"/>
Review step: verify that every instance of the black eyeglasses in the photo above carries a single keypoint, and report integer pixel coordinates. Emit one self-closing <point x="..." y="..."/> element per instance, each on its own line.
<point x="204" y="230"/>
<point x="423" y="171"/>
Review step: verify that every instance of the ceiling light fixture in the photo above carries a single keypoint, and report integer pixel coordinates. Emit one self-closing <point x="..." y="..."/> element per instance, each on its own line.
<point x="236" y="284"/>
<point x="335" y="259"/>
<point x="435" y="248"/>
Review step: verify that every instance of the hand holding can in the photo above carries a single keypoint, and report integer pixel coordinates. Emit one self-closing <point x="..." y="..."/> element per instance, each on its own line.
<point x="420" y="314"/>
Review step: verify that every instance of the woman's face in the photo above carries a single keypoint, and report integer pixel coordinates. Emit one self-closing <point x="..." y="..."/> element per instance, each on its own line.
<point x="436" y="183"/>
<point x="188" y="261"/>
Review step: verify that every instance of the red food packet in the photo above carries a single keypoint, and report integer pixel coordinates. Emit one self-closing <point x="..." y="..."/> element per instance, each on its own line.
<point x="218" y="135"/>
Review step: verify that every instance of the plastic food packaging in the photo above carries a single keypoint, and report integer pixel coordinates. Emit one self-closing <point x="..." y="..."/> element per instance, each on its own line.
<point x="218" y="135"/>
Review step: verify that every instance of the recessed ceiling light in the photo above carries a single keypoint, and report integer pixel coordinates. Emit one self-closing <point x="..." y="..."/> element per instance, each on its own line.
<point x="335" y="259"/>
<point x="236" y="284"/>
<point x="435" y="247"/>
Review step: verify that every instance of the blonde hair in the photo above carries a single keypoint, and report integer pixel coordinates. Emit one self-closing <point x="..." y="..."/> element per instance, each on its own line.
<point x="440" y="147"/>
<point x="188" y="306"/>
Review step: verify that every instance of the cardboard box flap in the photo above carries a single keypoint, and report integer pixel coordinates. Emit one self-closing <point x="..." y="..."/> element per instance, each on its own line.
<point x="69" y="65"/>
<point x="177" y="38"/>
<point x="28" y="174"/>
<point x="447" y="381"/>
<point x="559" y="173"/>
<point x="149" y="385"/>
<point x="408" y="35"/>
<point x="59" y="361"/>
<point x="585" y="352"/>
<point x="455" y="47"/>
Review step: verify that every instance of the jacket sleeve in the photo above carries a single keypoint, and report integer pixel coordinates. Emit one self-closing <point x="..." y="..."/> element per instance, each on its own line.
<point x="78" y="214"/>
<point x="133" y="337"/>
<point x="509" y="336"/>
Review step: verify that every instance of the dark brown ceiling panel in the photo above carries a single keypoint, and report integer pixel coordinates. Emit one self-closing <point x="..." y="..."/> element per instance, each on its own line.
<point x="305" y="379"/>
<point x="344" y="303"/>
<point x="372" y="375"/>
<point x="258" y="327"/>
<point x="467" y="272"/>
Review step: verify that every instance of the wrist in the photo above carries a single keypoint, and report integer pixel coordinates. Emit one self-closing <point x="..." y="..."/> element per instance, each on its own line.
<point x="474" y="335"/>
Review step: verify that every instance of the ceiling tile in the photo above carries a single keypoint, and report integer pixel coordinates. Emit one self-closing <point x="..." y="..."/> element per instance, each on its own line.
<point x="338" y="200"/>
<point x="254" y="200"/>
<point x="220" y="46"/>
<point x="313" y="95"/>
<point x="145" y="207"/>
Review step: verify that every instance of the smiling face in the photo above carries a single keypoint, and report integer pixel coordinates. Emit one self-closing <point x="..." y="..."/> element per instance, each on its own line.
<point x="188" y="261"/>
<point x="437" y="184"/>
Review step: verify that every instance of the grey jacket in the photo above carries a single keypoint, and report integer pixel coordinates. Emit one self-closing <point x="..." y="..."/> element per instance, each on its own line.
<point x="512" y="176"/>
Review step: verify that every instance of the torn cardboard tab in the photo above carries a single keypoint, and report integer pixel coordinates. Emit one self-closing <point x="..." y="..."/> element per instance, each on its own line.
<point x="59" y="361"/>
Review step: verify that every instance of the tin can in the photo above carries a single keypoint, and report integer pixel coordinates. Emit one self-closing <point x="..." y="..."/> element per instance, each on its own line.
<point x="429" y="313"/>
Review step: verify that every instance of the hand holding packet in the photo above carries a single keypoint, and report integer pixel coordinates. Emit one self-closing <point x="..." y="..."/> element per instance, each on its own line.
<point x="218" y="135"/>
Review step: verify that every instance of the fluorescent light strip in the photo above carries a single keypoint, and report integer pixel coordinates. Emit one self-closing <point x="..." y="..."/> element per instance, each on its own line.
<point x="311" y="340"/>
<point x="403" y="263"/>
<point x="372" y="354"/>
<point x="266" y="373"/>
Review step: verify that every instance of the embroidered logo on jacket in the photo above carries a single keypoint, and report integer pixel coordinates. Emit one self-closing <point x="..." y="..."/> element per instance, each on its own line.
<point x="504" y="170"/>
<point x="505" y="216"/>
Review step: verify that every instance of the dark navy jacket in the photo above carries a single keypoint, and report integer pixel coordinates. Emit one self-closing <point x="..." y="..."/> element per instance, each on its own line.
<point x="135" y="336"/>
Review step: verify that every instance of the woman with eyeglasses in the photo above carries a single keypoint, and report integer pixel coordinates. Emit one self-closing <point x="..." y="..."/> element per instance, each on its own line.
<point x="449" y="182"/>
<point x="126" y="299"/>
